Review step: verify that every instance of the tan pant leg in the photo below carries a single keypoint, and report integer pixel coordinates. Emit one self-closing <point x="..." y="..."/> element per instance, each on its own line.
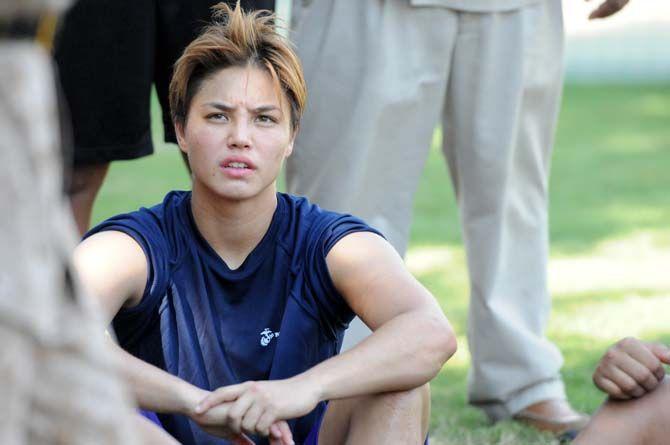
<point x="499" y="122"/>
<point x="376" y="74"/>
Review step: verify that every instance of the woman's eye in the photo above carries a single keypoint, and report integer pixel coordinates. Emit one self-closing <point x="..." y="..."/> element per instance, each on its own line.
<point x="263" y="118"/>
<point x="217" y="116"/>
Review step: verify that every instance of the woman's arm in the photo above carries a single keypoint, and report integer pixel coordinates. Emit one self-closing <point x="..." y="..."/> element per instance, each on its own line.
<point x="113" y="269"/>
<point x="411" y="337"/>
<point x="411" y="341"/>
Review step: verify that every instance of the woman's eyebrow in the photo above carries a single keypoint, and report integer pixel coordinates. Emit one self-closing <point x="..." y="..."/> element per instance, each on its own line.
<point x="220" y="106"/>
<point x="266" y="108"/>
<point x="225" y="107"/>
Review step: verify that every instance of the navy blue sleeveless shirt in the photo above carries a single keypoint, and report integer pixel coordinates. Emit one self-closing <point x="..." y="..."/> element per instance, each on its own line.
<point x="275" y="316"/>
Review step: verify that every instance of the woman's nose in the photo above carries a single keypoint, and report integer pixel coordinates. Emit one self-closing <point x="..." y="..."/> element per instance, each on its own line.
<point x="239" y="136"/>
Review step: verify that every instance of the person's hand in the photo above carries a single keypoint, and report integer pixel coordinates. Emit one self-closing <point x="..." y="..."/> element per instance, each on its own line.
<point x="253" y="407"/>
<point x="631" y="368"/>
<point x="211" y="424"/>
<point x="216" y="422"/>
<point x="607" y="8"/>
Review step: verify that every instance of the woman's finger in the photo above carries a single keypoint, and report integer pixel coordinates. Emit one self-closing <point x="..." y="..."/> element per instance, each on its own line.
<point x="251" y="418"/>
<point x="287" y="436"/>
<point x="266" y="422"/>
<point x="238" y="411"/>
<point x="221" y="395"/>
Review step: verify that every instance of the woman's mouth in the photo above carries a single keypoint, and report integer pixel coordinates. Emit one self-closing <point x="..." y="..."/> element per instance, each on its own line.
<point x="236" y="165"/>
<point x="237" y="168"/>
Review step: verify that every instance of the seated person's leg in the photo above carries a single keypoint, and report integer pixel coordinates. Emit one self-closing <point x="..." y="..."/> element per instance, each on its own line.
<point x="389" y="418"/>
<point x="643" y="421"/>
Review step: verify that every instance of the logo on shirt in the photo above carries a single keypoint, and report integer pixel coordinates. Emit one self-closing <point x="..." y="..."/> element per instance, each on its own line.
<point x="267" y="335"/>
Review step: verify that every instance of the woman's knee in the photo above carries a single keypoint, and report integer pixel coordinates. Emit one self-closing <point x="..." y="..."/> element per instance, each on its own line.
<point x="412" y="405"/>
<point x="408" y="399"/>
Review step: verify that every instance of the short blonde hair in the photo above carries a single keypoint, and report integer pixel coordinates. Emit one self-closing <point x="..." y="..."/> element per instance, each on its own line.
<point x="238" y="38"/>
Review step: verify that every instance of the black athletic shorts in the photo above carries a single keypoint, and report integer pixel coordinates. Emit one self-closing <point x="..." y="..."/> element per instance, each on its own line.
<point x="108" y="54"/>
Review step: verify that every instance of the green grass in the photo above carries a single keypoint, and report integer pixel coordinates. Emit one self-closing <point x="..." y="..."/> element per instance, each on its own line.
<point x="610" y="238"/>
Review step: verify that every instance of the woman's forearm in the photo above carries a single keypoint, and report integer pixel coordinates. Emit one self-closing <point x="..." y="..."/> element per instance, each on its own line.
<point x="155" y="389"/>
<point x="404" y="353"/>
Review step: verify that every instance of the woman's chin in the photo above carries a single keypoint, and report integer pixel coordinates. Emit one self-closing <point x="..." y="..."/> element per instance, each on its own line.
<point x="235" y="194"/>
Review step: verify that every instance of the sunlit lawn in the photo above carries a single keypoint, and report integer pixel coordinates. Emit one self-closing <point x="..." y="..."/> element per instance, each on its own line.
<point x="610" y="263"/>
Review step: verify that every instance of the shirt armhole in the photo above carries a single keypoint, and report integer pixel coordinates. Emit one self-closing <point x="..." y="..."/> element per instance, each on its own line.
<point x="341" y="311"/>
<point x="151" y="293"/>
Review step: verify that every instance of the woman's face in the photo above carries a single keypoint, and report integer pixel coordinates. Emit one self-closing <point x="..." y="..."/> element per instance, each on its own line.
<point x="237" y="133"/>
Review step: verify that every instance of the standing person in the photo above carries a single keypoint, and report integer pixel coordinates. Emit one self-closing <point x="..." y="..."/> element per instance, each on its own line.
<point x="109" y="54"/>
<point x="235" y="288"/>
<point x="381" y="74"/>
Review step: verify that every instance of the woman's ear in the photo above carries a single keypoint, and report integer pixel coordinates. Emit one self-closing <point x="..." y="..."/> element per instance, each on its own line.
<point x="289" y="148"/>
<point x="181" y="140"/>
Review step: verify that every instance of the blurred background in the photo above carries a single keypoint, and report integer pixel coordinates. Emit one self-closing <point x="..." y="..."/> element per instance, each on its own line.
<point x="632" y="46"/>
<point x="610" y="211"/>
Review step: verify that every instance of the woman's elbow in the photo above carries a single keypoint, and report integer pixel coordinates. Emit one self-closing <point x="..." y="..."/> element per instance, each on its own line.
<point x="441" y="342"/>
<point x="448" y="343"/>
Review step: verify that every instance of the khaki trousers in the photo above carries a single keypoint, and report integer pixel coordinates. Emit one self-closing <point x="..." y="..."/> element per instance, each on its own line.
<point x="381" y="75"/>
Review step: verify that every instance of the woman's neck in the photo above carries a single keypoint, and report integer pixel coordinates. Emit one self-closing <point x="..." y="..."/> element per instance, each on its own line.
<point x="233" y="228"/>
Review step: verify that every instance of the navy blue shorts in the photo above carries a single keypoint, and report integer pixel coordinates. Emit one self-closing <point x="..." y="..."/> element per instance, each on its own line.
<point x="313" y="436"/>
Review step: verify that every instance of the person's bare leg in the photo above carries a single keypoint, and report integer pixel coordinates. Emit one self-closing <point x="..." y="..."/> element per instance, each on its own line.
<point x="84" y="187"/>
<point x="643" y="421"/>
<point x="388" y="418"/>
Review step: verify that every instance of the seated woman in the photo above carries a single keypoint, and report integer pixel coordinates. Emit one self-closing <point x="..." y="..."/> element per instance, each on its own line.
<point x="237" y="287"/>
<point x="638" y="410"/>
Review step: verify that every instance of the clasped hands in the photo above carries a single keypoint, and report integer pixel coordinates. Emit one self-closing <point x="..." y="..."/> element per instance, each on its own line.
<point x="259" y="408"/>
